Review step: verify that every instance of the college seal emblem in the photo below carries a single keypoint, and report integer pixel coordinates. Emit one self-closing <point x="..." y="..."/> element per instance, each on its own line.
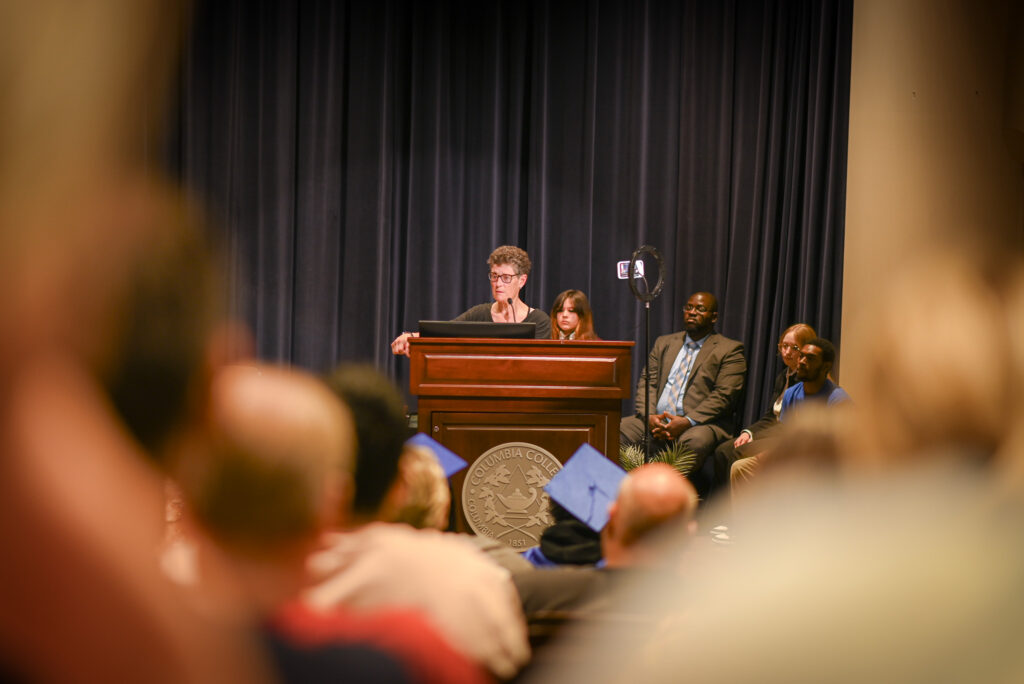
<point x="503" y="495"/>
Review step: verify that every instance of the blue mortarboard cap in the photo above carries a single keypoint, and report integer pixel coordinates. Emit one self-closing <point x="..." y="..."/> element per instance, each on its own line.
<point x="450" y="461"/>
<point x="586" y="485"/>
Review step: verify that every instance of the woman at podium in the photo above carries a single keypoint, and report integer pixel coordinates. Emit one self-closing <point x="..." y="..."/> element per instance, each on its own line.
<point x="508" y="270"/>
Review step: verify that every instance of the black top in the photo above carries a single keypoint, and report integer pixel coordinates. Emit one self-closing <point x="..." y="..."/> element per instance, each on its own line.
<point x="482" y="312"/>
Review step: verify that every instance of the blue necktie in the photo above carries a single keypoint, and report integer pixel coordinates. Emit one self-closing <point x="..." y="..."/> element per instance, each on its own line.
<point x="682" y="374"/>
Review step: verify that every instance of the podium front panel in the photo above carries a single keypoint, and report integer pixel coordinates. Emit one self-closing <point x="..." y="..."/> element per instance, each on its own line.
<point x="516" y="411"/>
<point x="537" y="437"/>
<point x="520" y="368"/>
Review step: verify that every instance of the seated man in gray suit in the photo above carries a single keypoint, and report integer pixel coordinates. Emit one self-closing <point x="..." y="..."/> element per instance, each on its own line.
<point x="696" y="381"/>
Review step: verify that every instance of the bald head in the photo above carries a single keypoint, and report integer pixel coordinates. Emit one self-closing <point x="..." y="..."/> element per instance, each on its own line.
<point x="280" y="450"/>
<point x="276" y="412"/>
<point x="649" y="497"/>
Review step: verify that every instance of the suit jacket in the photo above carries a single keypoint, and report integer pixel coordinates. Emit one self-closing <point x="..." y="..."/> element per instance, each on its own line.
<point x="715" y="386"/>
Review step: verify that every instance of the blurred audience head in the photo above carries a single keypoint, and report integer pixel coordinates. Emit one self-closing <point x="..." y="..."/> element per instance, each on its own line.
<point x="420" y="496"/>
<point x="650" y="497"/>
<point x="381" y="431"/>
<point x="169" y="331"/>
<point x="274" y="474"/>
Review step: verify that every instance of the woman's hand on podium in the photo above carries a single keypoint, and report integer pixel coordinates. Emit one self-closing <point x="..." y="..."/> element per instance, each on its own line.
<point x="401" y="343"/>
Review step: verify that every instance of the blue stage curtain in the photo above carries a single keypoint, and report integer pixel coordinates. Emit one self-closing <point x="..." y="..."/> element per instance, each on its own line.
<point x="362" y="159"/>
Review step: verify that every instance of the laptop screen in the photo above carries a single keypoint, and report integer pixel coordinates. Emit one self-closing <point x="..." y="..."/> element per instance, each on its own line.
<point x="515" y="331"/>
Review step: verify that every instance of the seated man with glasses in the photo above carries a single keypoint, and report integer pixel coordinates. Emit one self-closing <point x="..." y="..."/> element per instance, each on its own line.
<point x="509" y="267"/>
<point x="696" y="381"/>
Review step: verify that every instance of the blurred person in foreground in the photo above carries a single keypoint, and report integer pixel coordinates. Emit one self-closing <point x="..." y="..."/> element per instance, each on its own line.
<point x="508" y="270"/>
<point x="82" y="505"/>
<point x="273" y="476"/>
<point x="861" y="535"/>
<point x="263" y="457"/>
<point x="80" y="207"/>
<point x="371" y="562"/>
<point x="1010" y="454"/>
<point x="571" y="317"/>
<point x="420" y="496"/>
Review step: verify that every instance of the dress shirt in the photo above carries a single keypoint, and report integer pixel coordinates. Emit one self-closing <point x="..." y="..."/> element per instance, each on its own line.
<point x="664" y="402"/>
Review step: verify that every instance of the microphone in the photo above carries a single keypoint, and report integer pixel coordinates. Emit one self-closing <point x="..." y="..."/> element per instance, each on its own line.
<point x="509" y="300"/>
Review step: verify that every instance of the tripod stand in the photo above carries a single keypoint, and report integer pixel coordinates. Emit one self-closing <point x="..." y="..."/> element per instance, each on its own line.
<point x="646" y="295"/>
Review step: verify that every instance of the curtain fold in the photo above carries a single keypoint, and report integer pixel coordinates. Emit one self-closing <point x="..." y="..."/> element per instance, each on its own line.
<point x="362" y="159"/>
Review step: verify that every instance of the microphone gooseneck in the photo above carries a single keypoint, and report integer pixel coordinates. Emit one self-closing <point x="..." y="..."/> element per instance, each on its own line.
<point x="513" y="310"/>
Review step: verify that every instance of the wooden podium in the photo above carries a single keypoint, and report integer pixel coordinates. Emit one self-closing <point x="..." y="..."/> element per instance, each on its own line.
<point x="546" y="396"/>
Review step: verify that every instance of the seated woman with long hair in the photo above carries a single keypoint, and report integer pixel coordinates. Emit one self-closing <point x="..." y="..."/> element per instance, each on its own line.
<point x="571" y="317"/>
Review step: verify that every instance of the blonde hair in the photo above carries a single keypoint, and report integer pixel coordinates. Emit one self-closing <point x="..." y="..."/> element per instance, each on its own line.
<point x="426" y="499"/>
<point x="802" y="331"/>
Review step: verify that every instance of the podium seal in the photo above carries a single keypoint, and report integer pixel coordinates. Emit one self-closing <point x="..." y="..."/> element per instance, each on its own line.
<point x="503" y="494"/>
